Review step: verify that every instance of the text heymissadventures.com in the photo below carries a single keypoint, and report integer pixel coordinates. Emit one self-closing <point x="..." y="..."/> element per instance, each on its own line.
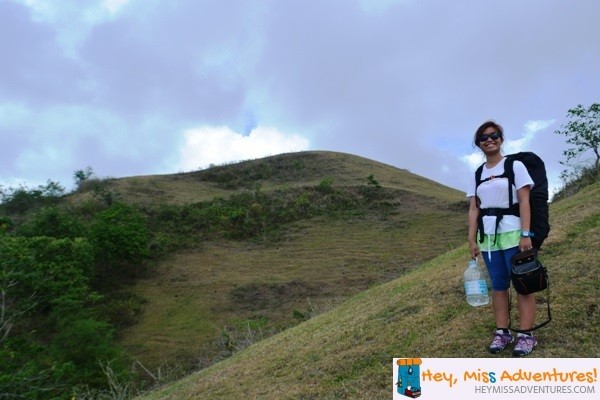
<point x="525" y="389"/>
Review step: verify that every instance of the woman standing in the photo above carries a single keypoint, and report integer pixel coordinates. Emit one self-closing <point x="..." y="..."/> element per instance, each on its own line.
<point x="502" y="236"/>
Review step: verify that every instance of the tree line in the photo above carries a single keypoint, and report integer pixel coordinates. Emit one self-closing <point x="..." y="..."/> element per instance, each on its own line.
<point x="56" y="338"/>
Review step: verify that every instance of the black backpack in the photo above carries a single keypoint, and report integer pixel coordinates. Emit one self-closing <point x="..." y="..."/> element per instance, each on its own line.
<point x="538" y="198"/>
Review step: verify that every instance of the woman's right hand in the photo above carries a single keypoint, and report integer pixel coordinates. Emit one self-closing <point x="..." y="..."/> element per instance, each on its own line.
<point x="474" y="250"/>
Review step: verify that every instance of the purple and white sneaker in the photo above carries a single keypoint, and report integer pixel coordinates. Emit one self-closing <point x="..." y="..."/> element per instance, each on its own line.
<point x="499" y="341"/>
<point x="525" y="345"/>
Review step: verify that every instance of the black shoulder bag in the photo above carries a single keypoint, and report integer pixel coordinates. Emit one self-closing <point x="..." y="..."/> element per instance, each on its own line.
<point x="528" y="275"/>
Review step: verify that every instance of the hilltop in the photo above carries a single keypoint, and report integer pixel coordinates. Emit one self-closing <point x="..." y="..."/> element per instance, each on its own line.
<point x="279" y="172"/>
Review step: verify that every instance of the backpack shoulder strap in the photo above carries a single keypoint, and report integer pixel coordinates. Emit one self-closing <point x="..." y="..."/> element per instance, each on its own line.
<point x="480" y="216"/>
<point x="510" y="174"/>
<point x="478" y="177"/>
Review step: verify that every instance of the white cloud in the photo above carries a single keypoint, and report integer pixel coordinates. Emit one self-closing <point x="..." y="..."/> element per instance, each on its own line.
<point x="217" y="145"/>
<point x="71" y="19"/>
<point x="113" y="6"/>
<point x="532" y="127"/>
<point x="536" y="126"/>
<point x="47" y="155"/>
<point x="516" y="145"/>
<point x="43" y="10"/>
<point x="473" y="160"/>
<point x="57" y="11"/>
<point x="379" y="6"/>
<point x="13" y="114"/>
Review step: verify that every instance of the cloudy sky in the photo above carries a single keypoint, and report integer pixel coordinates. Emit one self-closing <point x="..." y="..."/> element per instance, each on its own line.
<point x="138" y="87"/>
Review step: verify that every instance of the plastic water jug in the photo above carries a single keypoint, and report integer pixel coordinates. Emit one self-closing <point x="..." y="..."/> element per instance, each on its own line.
<point x="476" y="285"/>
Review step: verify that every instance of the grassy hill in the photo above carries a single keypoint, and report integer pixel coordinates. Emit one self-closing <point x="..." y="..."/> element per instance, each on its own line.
<point x="280" y="172"/>
<point x="215" y="295"/>
<point x="347" y="352"/>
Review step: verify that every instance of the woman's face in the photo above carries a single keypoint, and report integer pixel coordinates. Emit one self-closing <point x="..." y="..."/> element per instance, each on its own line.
<point x="491" y="140"/>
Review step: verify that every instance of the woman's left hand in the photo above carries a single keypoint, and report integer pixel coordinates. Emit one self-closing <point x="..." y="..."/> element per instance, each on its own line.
<point x="525" y="244"/>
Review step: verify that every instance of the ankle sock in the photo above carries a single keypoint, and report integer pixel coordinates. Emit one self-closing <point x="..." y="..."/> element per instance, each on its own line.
<point x="503" y="330"/>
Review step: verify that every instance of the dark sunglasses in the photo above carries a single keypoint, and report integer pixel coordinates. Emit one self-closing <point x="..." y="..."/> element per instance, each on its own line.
<point x="494" y="136"/>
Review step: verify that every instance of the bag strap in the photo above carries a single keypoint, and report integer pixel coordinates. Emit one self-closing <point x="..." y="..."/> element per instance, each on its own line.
<point x="509" y="171"/>
<point x="536" y="327"/>
<point x="513" y="209"/>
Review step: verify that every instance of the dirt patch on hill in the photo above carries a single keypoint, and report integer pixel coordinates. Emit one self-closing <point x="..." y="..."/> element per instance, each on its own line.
<point x="255" y="296"/>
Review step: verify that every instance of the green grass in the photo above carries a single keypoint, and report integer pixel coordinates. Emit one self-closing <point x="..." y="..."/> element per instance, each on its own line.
<point x="194" y="295"/>
<point x="346" y="353"/>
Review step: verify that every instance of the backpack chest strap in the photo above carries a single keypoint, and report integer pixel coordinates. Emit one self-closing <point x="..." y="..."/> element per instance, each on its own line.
<point x="498" y="213"/>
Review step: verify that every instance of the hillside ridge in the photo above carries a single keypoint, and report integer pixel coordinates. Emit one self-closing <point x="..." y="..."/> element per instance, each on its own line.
<point x="278" y="172"/>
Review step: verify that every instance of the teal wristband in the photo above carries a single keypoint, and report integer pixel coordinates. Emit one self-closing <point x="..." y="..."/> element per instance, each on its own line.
<point x="527" y="234"/>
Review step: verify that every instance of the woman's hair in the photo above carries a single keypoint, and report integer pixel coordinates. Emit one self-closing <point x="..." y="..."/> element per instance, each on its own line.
<point x="482" y="129"/>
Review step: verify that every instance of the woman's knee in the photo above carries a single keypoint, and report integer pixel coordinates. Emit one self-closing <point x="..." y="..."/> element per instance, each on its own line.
<point x="500" y="285"/>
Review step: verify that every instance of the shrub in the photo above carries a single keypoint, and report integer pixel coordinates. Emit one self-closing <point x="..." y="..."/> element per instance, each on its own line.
<point x="45" y="272"/>
<point x="85" y="343"/>
<point x="54" y="222"/>
<point x="23" y="199"/>
<point x="325" y="186"/>
<point x="576" y="180"/>
<point x="120" y="236"/>
<point x="6" y="224"/>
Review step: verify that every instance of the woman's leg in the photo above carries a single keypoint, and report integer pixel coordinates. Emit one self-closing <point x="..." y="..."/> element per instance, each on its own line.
<point x="500" y="308"/>
<point x="526" y="307"/>
<point x="526" y="342"/>
<point x="496" y="266"/>
<point x="495" y="263"/>
<point x="525" y="302"/>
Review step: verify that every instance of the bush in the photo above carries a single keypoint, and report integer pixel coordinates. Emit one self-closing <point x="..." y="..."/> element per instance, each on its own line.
<point x="325" y="186"/>
<point x="576" y="180"/>
<point x="45" y="272"/>
<point x="26" y="373"/>
<point x="53" y="222"/>
<point x="23" y="199"/>
<point x="122" y="309"/>
<point x="119" y="236"/>
<point x="85" y="343"/>
<point x="6" y="224"/>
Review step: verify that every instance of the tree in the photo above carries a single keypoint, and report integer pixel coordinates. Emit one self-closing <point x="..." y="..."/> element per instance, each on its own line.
<point x="582" y="132"/>
<point x="82" y="175"/>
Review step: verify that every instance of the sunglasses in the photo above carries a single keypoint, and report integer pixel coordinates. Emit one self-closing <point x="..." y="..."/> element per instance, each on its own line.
<point x="494" y="136"/>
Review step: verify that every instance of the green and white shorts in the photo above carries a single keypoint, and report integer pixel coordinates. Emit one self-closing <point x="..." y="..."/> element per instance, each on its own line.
<point x="504" y="241"/>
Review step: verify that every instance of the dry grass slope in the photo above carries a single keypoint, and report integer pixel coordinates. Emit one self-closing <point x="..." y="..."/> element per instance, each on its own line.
<point x="313" y="266"/>
<point x="347" y="352"/>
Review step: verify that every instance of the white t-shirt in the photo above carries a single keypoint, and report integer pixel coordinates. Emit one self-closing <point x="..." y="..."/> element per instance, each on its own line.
<point x="494" y="194"/>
